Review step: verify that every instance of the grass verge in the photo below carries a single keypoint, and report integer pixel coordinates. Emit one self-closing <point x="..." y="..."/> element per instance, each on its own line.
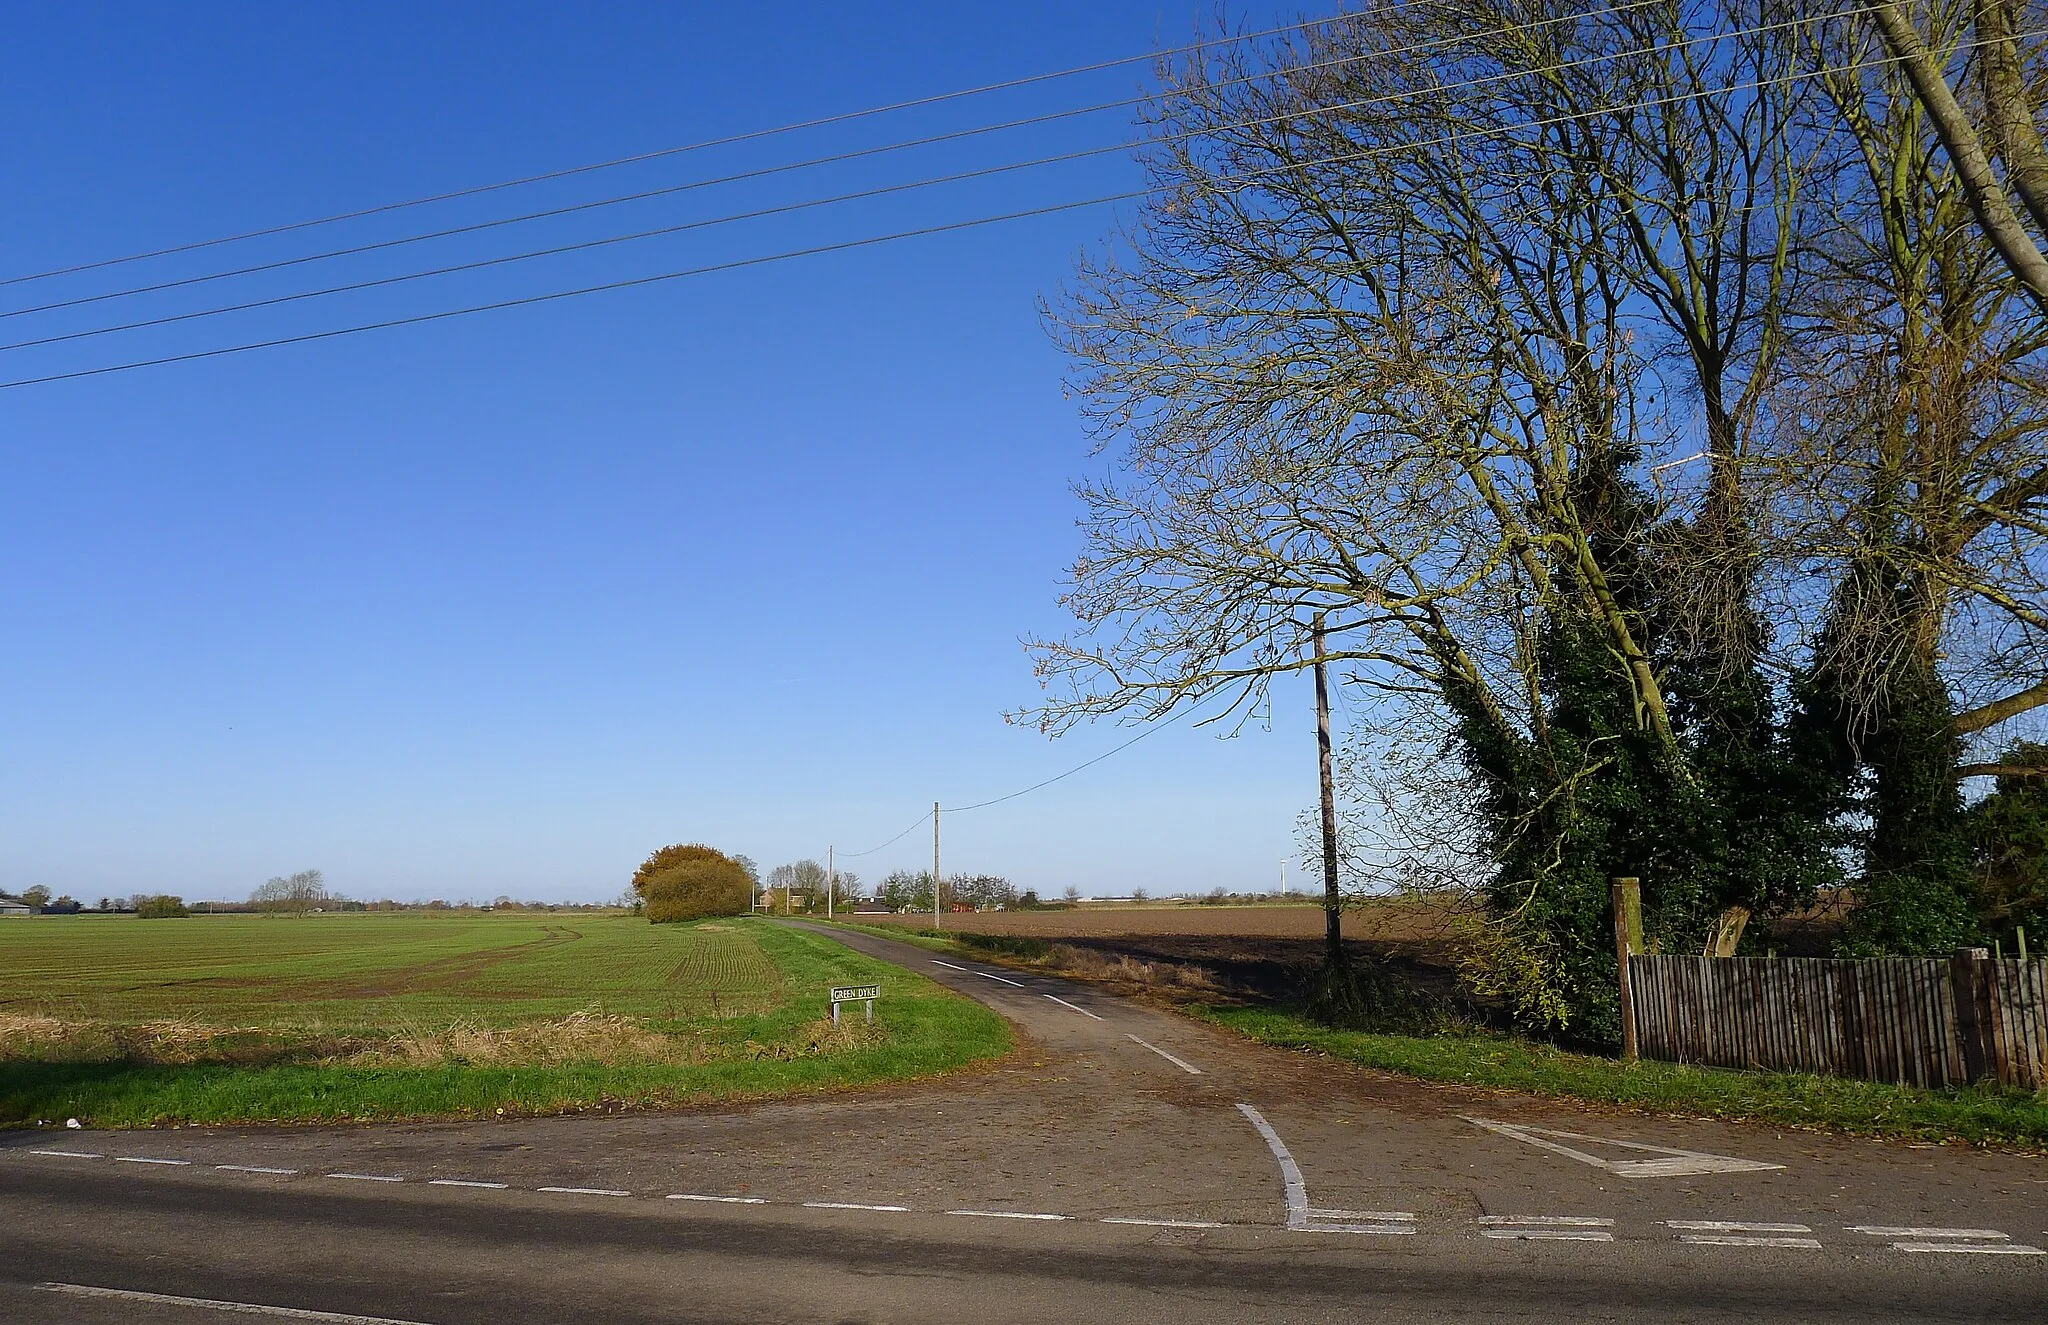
<point x="1985" y="1115"/>
<point x="921" y="1030"/>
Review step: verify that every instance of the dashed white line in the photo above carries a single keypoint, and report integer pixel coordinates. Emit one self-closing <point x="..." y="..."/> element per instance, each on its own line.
<point x="1063" y="1003"/>
<point x="1377" y="1230"/>
<point x="467" y="1182"/>
<point x="1733" y="1226"/>
<point x="1018" y="984"/>
<point x="1891" y="1231"/>
<point x="1180" y="1063"/>
<point x="254" y="1168"/>
<point x="1972" y="1249"/>
<point x="583" y="1191"/>
<point x="1164" y="1223"/>
<point x="1004" y="1214"/>
<point x="720" y="1200"/>
<point x="949" y="966"/>
<point x="1546" y="1228"/>
<point x="1373" y="1216"/>
<point x="854" y="1205"/>
<point x="212" y="1304"/>
<point x="1746" y="1240"/>
<point x="365" y="1177"/>
<point x="139" y="1159"/>
<point x="67" y="1154"/>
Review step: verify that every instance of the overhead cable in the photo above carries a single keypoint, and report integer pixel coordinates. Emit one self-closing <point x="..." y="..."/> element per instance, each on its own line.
<point x="854" y="196"/>
<point x="752" y="135"/>
<point x="767" y="171"/>
<point x="1243" y="179"/>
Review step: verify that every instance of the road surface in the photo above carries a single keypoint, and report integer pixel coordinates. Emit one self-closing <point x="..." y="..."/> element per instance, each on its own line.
<point x="1127" y="1164"/>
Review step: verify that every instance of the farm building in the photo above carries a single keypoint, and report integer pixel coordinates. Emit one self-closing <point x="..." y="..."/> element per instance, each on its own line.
<point x="14" y="906"/>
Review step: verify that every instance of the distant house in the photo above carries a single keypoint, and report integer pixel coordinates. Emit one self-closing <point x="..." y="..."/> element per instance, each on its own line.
<point x="14" y="906"/>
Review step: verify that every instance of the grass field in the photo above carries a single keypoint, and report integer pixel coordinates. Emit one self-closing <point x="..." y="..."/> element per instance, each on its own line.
<point x="123" y="1022"/>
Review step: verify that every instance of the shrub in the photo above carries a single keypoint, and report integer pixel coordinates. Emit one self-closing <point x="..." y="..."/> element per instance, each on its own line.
<point x="159" y="906"/>
<point x="669" y="857"/>
<point x="697" y="888"/>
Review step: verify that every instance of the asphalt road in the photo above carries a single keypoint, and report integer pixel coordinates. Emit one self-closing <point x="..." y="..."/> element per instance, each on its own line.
<point x="1128" y="1165"/>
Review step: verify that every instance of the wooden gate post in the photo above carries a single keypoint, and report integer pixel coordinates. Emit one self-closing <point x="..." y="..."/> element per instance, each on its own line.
<point x="1967" y="978"/>
<point x="1628" y="941"/>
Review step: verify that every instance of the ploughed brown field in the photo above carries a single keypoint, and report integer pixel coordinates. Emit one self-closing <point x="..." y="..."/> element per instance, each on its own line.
<point x="1258" y="951"/>
<point x="1380" y="922"/>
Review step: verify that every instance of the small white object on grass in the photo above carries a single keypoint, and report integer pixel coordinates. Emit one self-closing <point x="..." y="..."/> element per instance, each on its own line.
<point x="73" y="1123"/>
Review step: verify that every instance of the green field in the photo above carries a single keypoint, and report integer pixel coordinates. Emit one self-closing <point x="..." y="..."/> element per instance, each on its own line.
<point x="125" y="1022"/>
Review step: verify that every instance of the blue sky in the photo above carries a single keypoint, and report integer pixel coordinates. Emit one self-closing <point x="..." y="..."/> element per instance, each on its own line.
<point x="500" y="604"/>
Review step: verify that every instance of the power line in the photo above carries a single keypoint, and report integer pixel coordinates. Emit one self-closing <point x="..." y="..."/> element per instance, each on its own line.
<point x="1156" y="727"/>
<point x="753" y="135"/>
<point x="786" y="168"/>
<point x="922" y="820"/>
<point x="924" y="231"/>
<point x="858" y="195"/>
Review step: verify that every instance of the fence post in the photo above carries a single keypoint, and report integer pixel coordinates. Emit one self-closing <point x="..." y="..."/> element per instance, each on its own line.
<point x="1967" y="975"/>
<point x="1628" y="941"/>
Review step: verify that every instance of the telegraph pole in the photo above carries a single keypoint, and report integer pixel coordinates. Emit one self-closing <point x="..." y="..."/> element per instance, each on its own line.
<point x="935" y="866"/>
<point x="831" y="882"/>
<point x="1333" y="934"/>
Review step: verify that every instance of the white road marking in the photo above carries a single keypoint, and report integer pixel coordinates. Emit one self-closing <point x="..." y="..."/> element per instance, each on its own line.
<point x="138" y="1159"/>
<point x="1888" y="1231"/>
<point x="466" y="1182"/>
<point x="1063" y="1003"/>
<point x="67" y="1154"/>
<point x="1164" y="1223"/>
<point x="721" y="1200"/>
<point x="949" y="966"/>
<point x="1003" y="1214"/>
<point x="1675" y="1163"/>
<point x="1180" y="1063"/>
<point x="1738" y="1240"/>
<point x="254" y="1168"/>
<point x="853" y="1205"/>
<point x="583" y="1191"/>
<point x="240" y="1308"/>
<point x="1733" y="1226"/>
<point x="1972" y="1249"/>
<point x="365" y="1177"/>
<point x="1384" y="1230"/>
<point x="986" y="976"/>
<point x="1548" y="1234"/>
<point x="1550" y="1221"/>
<point x="1290" y="1172"/>
<point x="1375" y="1216"/>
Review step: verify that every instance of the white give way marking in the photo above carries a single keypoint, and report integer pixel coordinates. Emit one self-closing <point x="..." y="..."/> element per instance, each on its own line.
<point x="214" y="1304"/>
<point x="1301" y="1218"/>
<point x="1674" y="1163"/>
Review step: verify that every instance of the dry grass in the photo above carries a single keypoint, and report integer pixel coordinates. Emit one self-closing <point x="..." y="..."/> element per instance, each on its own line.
<point x="581" y="1037"/>
<point x="1122" y="969"/>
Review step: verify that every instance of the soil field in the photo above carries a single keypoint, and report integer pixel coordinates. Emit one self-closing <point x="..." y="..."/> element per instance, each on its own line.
<point x="1396" y="922"/>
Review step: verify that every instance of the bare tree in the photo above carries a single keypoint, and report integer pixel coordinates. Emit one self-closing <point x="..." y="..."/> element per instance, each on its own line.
<point x="293" y="894"/>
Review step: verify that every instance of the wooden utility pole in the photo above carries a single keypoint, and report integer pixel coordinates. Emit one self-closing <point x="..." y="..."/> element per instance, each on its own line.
<point x="935" y="866"/>
<point x="831" y="881"/>
<point x="1333" y="931"/>
<point x="1628" y="942"/>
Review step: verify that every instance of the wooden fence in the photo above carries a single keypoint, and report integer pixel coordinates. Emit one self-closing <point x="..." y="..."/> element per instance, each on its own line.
<point x="1924" y="1021"/>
